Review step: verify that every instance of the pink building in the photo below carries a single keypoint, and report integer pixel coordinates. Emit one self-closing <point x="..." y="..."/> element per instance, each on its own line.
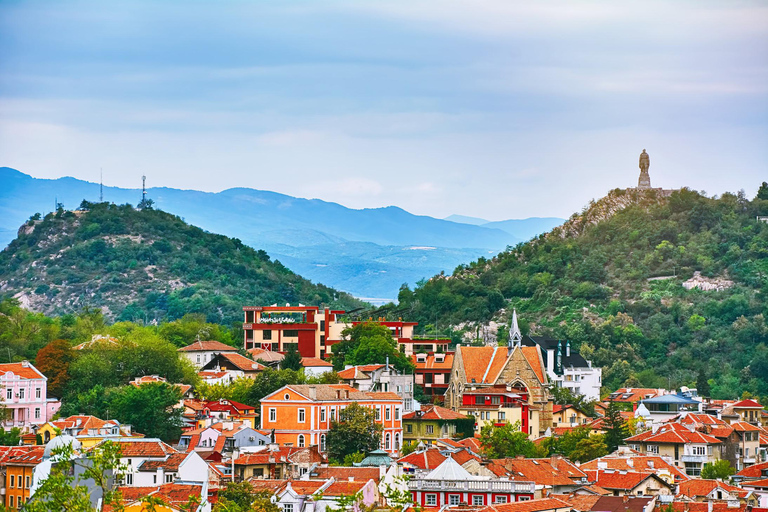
<point x="25" y="395"/>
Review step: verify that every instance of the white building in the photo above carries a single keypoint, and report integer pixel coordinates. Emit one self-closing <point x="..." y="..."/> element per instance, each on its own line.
<point x="151" y="462"/>
<point x="201" y="352"/>
<point x="565" y="367"/>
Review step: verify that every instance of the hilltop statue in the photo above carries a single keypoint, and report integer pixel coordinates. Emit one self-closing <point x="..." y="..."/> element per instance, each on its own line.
<point x="644" y="182"/>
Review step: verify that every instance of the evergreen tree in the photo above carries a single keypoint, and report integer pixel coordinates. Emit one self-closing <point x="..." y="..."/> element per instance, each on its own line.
<point x="702" y="384"/>
<point x="356" y="431"/>
<point x="292" y="359"/>
<point x="615" y="427"/>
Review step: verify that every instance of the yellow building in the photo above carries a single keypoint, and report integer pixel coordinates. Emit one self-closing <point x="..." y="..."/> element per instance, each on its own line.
<point x="89" y="430"/>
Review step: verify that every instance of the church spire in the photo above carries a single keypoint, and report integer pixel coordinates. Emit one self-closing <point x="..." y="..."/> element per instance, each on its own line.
<point x="515" y="336"/>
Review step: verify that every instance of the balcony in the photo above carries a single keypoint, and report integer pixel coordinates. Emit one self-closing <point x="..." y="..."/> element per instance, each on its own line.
<point x="472" y="486"/>
<point x="694" y="458"/>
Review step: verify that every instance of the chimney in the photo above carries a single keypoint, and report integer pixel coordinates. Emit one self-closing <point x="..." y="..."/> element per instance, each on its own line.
<point x="313" y="392"/>
<point x="25" y="364"/>
<point x="550" y="361"/>
<point x="553" y="461"/>
<point x="630" y="462"/>
<point x="568" y="348"/>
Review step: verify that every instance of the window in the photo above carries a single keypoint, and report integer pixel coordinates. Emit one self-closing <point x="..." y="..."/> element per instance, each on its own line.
<point x="477" y="500"/>
<point x="397" y="441"/>
<point x="524" y="498"/>
<point x="699" y="450"/>
<point x="430" y="429"/>
<point x="302" y="416"/>
<point x="154" y="479"/>
<point x="288" y="507"/>
<point x="21" y="393"/>
<point x="37" y="413"/>
<point x="409" y="428"/>
<point x="267" y="335"/>
<point x="652" y="448"/>
<point x="9" y="394"/>
<point x="28" y="482"/>
<point x="291" y="334"/>
<point x="333" y="414"/>
<point x="496" y="400"/>
<point x="322" y="414"/>
<point x="387" y="442"/>
<point x="272" y="414"/>
<point x="500" y="499"/>
<point x="502" y="416"/>
<point x="13" y="481"/>
<point x="322" y="442"/>
<point x="10" y="502"/>
<point x="397" y="413"/>
<point x="129" y="479"/>
<point x="198" y="358"/>
<point x="453" y="499"/>
<point x="300" y="442"/>
<point x="431" y="500"/>
<point x="378" y="413"/>
<point x="388" y="413"/>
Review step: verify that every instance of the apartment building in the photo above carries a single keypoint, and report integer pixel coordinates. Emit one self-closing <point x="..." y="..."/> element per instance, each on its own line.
<point x="301" y="415"/>
<point x="23" y="389"/>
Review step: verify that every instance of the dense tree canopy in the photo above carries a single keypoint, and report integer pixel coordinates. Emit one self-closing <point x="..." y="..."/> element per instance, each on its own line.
<point x="368" y="343"/>
<point x="355" y="431"/>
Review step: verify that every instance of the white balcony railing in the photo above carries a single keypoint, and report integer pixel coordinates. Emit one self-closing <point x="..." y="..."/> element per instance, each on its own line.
<point x="694" y="458"/>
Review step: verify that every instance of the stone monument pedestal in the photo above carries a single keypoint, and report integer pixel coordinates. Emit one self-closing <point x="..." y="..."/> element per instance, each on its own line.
<point x="644" y="181"/>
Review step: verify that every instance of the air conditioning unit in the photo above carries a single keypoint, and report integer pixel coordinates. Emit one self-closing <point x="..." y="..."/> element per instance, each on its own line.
<point x="252" y="438"/>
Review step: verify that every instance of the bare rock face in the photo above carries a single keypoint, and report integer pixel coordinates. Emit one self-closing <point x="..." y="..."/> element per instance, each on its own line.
<point x="707" y="283"/>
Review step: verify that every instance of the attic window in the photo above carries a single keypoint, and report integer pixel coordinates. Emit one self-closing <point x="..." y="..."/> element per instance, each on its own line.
<point x="421" y="358"/>
<point x="287" y="396"/>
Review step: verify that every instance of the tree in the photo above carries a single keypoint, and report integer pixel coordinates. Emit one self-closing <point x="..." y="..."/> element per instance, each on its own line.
<point x="507" y="441"/>
<point x="589" y="448"/>
<point x="718" y="470"/>
<point x="62" y="489"/>
<point x="355" y="431"/>
<point x="292" y="359"/>
<point x="270" y="380"/>
<point x="762" y="192"/>
<point x="54" y="360"/>
<point x="615" y="427"/>
<point x="368" y="343"/>
<point x="242" y="497"/>
<point x="702" y="384"/>
<point x="564" y="396"/>
<point x="150" y="408"/>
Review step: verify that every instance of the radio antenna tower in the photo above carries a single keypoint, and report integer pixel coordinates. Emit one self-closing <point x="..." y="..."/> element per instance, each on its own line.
<point x="143" y="190"/>
<point x="101" y="185"/>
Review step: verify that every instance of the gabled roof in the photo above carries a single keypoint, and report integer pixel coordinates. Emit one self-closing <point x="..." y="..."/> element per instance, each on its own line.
<point x="208" y="346"/>
<point x="621" y="480"/>
<point x="434" y="412"/>
<point x="31" y="455"/>
<point x="359" y="372"/>
<point x="542" y="471"/>
<point x="449" y="469"/>
<point x="225" y="405"/>
<point x="347" y="488"/>
<point x="747" y="404"/>
<point x="427" y="459"/>
<point x="673" y="433"/>
<point x="696" y="487"/>
<point x="743" y="426"/>
<point x="639" y="463"/>
<point x="25" y="370"/>
<point x="236" y="360"/>
<point x="143" y="448"/>
<point x="266" y="355"/>
<point x="345" y="473"/>
<point x="170" y="465"/>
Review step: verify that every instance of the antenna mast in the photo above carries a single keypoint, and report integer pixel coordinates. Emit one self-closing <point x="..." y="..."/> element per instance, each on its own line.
<point x="143" y="191"/>
<point x="101" y="185"/>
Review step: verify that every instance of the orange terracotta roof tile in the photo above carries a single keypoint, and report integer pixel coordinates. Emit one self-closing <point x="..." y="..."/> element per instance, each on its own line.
<point x="315" y="362"/>
<point x="427" y="459"/>
<point x="754" y="471"/>
<point x="434" y="412"/>
<point x="673" y="433"/>
<point x="640" y="463"/>
<point x="621" y="480"/>
<point x="539" y="505"/>
<point x="533" y="356"/>
<point x="633" y="395"/>
<point x="541" y="471"/>
<point x="241" y="362"/>
<point x="748" y="404"/>
<point x="701" y="487"/>
<point x="578" y="501"/>
<point x="144" y="448"/>
<point x="346" y="488"/>
<point x="207" y="346"/>
<point x="478" y="362"/>
<point x="743" y="426"/>
<point x="25" y="370"/>
<point x="362" y="474"/>
<point x="756" y="483"/>
<point x="171" y="464"/>
<point x="432" y="363"/>
<point x="386" y="395"/>
<point x="306" y="487"/>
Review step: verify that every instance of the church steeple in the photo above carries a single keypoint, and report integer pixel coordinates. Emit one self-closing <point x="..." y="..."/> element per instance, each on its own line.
<point x="515" y="336"/>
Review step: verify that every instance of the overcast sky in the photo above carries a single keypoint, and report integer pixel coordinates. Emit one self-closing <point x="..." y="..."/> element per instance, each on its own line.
<point x="497" y="109"/>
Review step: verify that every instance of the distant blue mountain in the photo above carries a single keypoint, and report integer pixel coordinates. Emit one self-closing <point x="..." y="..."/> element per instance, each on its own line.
<point x="524" y="229"/>
<point x="368" y="252"/>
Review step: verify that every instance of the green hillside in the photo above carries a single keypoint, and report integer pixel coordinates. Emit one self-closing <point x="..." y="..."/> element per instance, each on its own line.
<point x="590" y="281"/>
<point x="145" y="265"/>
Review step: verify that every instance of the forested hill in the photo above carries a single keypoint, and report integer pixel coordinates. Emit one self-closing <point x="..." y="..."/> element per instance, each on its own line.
<point x="143" y="265"/>
<point x="591" y="281"/>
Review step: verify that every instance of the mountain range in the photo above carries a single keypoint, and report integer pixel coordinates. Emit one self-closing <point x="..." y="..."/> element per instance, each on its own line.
<point x="369" y="253"/>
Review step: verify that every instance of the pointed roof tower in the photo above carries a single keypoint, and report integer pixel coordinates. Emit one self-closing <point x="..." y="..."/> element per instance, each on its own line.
<point x="515" y="336"/>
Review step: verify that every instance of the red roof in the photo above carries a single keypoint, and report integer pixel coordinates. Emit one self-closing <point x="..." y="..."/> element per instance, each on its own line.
<point x="673" y="433"/>
<point x="542" y="471"/>
<point x="240" y="362"/>
<point x="358" y="372"/>
<point x="638" y="463"/>
<point x="315" y="362"/>
<point x="143" y="448"/>
<point x="754" y="471"/>
<point x="540" y="505"/>
<point x="23" y="456"/>
<point x="699" y="487"/>
<point x="431" y="362"/>
<point x="756" y="483"/>
<point x="743" y="426"/>
<point x="345" y="488"/>
<point x="621" y="480"/>
<point x="434" y="412"/>
<point x="748" y="404"/>
<point x="427" y="459"/>
<point x="207" y="346"/>
<point x="229" y="405"/>
<point x="25" y="370"/>
<point x="533" y="356"/>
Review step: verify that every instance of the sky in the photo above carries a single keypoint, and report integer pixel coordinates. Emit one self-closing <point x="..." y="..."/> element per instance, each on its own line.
<point x="489" y="108"/>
